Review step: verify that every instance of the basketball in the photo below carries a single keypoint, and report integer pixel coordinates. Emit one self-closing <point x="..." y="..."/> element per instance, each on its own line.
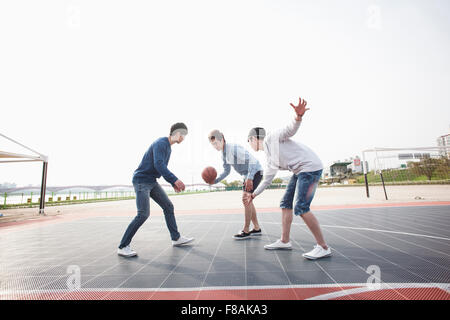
<point x="209" y="174"/>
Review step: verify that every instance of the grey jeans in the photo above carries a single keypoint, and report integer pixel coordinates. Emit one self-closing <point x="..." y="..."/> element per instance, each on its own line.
<point x="145" y="191"/>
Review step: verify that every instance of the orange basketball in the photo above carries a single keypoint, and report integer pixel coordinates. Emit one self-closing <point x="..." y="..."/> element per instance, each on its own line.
<point x="209" y="174"/>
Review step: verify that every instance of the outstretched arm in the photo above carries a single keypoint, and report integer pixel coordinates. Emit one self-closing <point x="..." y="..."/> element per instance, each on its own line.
<point x="226" y="172"/>
<point x="292" y="128"/>
<point x="269" y="174"/>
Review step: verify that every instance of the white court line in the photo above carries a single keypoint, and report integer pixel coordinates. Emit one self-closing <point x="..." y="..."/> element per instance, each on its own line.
<point x="212" y="261"/>
<point x="360" y="267"/>
<point x="330" y="226"/>
<point x="392" y="224"/>
<point x="386" y="285"/>
<point x="177" y="265"/>
<point x="408" y="241"/>
<point x="388" y="231"/>
<point x="339" y="227"/>
<point x="282" y="267"/>
<point x="387" y="245"/>
<point x="64" y="263"/>
<point x="133" y="274"/>
<point x="338" y="294"/>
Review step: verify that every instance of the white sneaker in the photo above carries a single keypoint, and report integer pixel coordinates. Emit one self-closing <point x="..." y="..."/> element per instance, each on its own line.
<point x="182" y="240"/>
<point x="126" y="252"/>
<point x="317" y="253"/>
<point x="278" y="245"/>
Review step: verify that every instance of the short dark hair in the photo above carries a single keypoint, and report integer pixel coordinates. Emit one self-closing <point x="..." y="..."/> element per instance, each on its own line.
<point x="257" y="132"/>
<point x="179" y="126"/>
<point x="216" y="135"/>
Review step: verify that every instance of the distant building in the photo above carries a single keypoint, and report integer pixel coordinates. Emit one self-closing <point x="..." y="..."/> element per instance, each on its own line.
<point x="339" y="168"/>
<point x="357" y="165"/>
<point x="444" y="143"/>
<point x="7" y="185"/>
<point x="353" y="165"/>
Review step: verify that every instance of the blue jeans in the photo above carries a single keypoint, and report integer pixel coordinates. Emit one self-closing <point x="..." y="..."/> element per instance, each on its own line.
<point x="143" y="193"/>
<point x="305" y="184"/>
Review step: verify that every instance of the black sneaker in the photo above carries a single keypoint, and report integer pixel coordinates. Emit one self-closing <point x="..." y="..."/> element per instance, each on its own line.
<point x="255" y="233"/>
<point x="242" y="235"/>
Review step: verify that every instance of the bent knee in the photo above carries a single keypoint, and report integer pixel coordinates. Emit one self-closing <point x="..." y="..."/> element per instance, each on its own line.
<point x="304" y="213"/>
<point x="168" y="208"/>
<point x="245" y="203"/>
<point x="143" y="215"/>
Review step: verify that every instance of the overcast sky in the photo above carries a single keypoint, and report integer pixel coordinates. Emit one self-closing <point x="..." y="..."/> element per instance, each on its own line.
<point x="93" y="83"/>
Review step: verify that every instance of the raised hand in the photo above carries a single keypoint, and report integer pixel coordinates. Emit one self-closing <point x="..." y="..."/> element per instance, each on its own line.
<point x="300" y="109"/>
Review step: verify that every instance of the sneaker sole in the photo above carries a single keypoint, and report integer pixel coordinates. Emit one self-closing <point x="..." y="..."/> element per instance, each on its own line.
<point x="279" y="248"/>
<point x="127" y="256"/>
<point x="181" y="244"/>
<point x="315" y="258"/>
<point x="236" y="238"/>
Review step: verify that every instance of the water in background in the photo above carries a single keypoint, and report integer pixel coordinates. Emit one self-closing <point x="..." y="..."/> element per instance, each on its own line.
<point x="82" y="194"/>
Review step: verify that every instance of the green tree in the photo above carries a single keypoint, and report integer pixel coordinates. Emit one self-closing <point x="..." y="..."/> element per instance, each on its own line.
<point x="277" y="181"/>
<point x="443" y="169"/>
<point x="426" y="166"/>
<point x="235" y="183"/>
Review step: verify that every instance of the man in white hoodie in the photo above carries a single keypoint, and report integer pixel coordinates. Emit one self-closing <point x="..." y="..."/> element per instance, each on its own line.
<point x="282" y="153"/>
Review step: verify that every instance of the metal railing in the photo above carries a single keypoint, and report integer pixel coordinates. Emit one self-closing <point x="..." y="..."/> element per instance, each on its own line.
<point x="30" y="199"/>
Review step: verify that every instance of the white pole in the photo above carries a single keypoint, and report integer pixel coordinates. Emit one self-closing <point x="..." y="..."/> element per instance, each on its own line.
<point x="40" y="154"/>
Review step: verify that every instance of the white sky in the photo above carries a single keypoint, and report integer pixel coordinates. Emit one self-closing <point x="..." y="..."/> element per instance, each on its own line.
<point x="93" y="83"/>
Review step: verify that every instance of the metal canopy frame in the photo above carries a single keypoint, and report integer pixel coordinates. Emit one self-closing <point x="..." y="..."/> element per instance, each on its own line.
<point x="16" y="157"/>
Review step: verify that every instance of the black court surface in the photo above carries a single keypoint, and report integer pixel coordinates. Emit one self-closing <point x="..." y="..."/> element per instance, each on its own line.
<point x="377" y="253"/>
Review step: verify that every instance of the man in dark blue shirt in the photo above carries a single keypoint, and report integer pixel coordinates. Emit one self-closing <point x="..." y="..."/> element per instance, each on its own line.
<point x="153" y="166"/>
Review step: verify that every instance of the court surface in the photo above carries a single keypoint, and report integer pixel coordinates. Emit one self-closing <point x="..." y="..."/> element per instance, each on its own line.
<point x="386" y="252"/>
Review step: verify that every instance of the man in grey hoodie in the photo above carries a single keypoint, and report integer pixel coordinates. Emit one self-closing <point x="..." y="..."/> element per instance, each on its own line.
<point x="282" y="153"/>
